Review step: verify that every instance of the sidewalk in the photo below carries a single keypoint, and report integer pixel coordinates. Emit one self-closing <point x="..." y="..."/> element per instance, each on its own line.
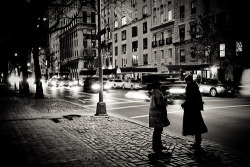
<point x="52" y="132"/>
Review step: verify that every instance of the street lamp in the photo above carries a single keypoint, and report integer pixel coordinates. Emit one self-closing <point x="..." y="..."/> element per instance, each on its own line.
<point x="101" y="106"/>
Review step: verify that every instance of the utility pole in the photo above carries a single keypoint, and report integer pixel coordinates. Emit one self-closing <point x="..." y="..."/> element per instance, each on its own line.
<point x="101" y="106"/>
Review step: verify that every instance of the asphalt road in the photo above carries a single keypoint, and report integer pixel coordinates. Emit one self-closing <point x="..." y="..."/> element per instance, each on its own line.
<point x="227" y="118"/>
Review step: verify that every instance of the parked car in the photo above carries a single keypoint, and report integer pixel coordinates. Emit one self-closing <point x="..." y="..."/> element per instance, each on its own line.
<point x="92" y="84"/>
<point x="213" y="87"/>
<point x="116" y="83"/>
<point x="131" y="84"/>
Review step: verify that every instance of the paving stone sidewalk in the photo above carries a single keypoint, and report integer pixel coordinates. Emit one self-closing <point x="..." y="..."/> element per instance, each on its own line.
<point x="52" y="132"/>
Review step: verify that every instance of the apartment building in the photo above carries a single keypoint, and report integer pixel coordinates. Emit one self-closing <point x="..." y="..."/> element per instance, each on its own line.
<point x="73" y="44"/>
<point x="140" y="35"/>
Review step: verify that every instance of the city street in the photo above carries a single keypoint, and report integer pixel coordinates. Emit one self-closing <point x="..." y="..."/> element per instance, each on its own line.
<point x="227" y="118"/>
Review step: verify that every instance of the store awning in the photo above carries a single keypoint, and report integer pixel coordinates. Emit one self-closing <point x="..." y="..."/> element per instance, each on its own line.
<point x="122" y="70"/>
<point x="141" y="70"/>
<point x="187" y="67"/>
<point x="87" y="72"/>
<point x="93" y="72"/>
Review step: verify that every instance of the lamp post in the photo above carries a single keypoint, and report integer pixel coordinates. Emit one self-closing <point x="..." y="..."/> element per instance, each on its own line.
<point x="101" y="106"/>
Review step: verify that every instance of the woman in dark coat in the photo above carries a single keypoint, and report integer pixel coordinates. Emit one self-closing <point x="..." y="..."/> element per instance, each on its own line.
<point x="157" y="116"/>
<point x="193" y="123"/>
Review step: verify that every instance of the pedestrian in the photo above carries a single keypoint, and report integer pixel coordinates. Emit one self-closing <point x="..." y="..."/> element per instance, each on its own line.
<point x="157" y="116"/>
<point x="193" y="123"/>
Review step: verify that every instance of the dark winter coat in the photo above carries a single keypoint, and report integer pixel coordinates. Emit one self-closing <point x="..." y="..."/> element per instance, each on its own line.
<point x="193" y="122"/>
<point x="157" y="110"/>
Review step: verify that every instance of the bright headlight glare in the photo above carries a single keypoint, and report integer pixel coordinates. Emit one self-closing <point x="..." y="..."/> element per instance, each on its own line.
<point x="95" y="86"/>
<point x="107" y="86"/>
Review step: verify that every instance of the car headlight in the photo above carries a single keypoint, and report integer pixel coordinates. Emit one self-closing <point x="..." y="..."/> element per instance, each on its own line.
<point x="95" y="86"/>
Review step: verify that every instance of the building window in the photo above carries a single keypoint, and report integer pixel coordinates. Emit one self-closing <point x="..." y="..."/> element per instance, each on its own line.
<point x="154" y="4"/>
<point x="170" y="52"/>
<point x="123" y="34"/>
<point x="84" y="17"/>
<point x="207" y="51"/>
<point x="145" y="27"/>
<point x="93" y="44"/>
<point x="162" y="54"/>
<point x="193" y="30"/>
<point x="116" y="24"/>
<point x="115" y="36"/>
<point x="169" y="37"/>
<point x="154" y="19"/>
<point x="124" y="62"/>
<point x="145" y="59"/>
<point x="182" y="33"/>
<point x="161" y="41"/>
<point x="92" y="17"/>
<point x="193" y="7"/>
<point x="193" y="55"/>
<point x="182" y="55"/>
<point x="170" y="17"/>
<point x="155" y="54"/>
<point x="154" y="42"/>
<point x="144" y="11"/>
<point x="116" y="63"/>
<point x="145" y="43"/>
<point x="116" y="50"/>
<point x="133" y="3"/>
<point x="124" y="49"/>
<point x="239" y="48"/>
<point x="222" y="50"/>
<point x="85" y="44"/>
<point x="124" y="20"/>
<point x="135" y="60"/>
<point x="134" y="31"/>
<point x="182" y="12"/>
<point x="162" y="18"/>
<point x="134" y="46"/>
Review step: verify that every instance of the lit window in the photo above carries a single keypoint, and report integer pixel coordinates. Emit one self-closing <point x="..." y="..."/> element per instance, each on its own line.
<point x="238" y="47"/>
<point x="124" y="20"/>
<point x="170" y="15"/>
<point x="116" y="24"/>
<point x="222" y="50"/>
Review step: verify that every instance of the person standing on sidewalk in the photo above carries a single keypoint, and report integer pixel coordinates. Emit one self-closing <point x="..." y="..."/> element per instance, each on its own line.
<point x="157" y="116"/>
<point x="193" y="123"/>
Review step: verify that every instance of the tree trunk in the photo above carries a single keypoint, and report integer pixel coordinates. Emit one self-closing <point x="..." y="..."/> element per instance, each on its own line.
<point x="39" y="87"/>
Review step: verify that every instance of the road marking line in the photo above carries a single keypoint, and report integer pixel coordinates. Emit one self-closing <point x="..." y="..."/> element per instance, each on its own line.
<point x="128" y="107"/>
<point x="141" y="116"/>
<point x="227" y="107"/>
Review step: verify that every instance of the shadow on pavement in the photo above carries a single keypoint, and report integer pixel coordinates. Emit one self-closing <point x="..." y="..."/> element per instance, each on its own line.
<point x="159" y="159"/>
